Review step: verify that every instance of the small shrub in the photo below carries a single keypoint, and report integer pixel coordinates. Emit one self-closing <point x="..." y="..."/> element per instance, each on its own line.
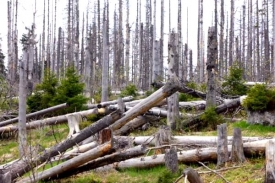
<point x="211" y="118"/>
<point x="130" y="90"/>
<point x="43" y="93"/>
<point x="234" y="83"/>
<point x="70" y="90"/>
<point x="260" y="98"/>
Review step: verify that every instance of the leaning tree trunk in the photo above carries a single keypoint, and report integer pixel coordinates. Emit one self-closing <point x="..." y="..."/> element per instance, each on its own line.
<point x="165" y="91"/>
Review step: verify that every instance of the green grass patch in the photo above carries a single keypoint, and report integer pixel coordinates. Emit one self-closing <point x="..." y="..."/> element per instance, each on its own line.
<point x="254" y="129"/>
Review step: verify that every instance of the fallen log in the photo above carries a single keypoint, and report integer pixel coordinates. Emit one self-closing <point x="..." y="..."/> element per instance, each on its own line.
<point x="168" y="89"/>
<point x="35" y="114"/>
<point x="107" y="103"/>
<point x="108" y="159"/>
<point x="48" y="121"/>
<point x="21" y="167"/>
<point x="189" y="156"/>
<point x="192" y="140"/>
<point x="70" y="164"/>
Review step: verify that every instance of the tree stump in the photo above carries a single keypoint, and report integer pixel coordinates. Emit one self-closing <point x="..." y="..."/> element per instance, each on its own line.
<point x="270" y="162"/>
<point x="171" y="159"/>
<point x="192" y="175"/>
<point x="237" y="153"/>
<point x="222" y="148"/>
<point x="163" y="137"/>
<point x="105" y="135"/>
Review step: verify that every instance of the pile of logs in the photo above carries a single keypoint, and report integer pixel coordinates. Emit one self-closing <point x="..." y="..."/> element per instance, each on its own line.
<point x="107" y="149"/>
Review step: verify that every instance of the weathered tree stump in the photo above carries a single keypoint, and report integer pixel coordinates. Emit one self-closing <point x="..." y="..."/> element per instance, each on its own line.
<point x="192" y="175"/>
<point x="162" y="137"/>
<point x="237" y="153"/>
<point x="171" y="159"/>
<point x="105" y="135"/>
<point x="270" y="162"/>
<point x="222" y="148"/>
<point x="121" y="105"/>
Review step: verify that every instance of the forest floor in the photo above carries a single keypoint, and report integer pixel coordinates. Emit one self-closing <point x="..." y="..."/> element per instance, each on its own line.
<point x="252" y="170"/>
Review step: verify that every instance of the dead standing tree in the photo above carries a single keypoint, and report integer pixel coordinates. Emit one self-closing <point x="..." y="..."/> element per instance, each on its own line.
<point x="25" y="71"/>
<point x="212" y="55"/>
<point x="173" y="59"/>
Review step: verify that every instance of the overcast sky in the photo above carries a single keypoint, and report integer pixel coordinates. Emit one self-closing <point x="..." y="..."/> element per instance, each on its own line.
<point x="27" y="7"/>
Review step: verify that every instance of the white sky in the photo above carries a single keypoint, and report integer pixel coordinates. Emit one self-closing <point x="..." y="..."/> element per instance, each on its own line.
<point x="26" y="9"/>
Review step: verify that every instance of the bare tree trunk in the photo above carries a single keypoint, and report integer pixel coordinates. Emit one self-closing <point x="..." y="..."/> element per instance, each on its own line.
<point x="231" y="34"/>
<point x="249" y="46"/>
<point x="191" y="65"/>
<point x="54" y="68"/>
<point x="161" y="38"/>
<point x="181" y="65"/>
<point x="105" y="80"/>
<point x="59" y="50"/>
<point x="43" y="43"/>
<point x="173" y="101"/>
<point x="48" y="56"/>
<point x="258" y="76"/>
<point x="221" y="56"/>
<point x="267" y="46"/>
<point x="69" y="38"/>
<point x="22" y="131"/>
<point x="127" y="51"/>
<point x="212" y="55"/>
<point x="243" y="40"/>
